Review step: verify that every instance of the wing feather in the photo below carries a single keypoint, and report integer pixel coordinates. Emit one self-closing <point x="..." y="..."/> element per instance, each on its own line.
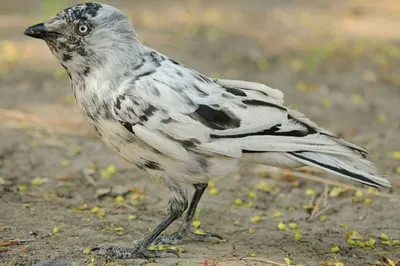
<point x="176" y="109"/>
<point x="262" y="90"/>
<point x="161" y="143"/>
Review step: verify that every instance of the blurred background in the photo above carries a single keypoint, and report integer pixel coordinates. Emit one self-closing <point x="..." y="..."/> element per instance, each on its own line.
<point x="337" y="61"/>
<point x="339" y="56"/>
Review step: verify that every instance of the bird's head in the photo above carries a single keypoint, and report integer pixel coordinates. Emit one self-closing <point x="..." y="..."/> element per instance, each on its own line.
<point x="90" y="34"/>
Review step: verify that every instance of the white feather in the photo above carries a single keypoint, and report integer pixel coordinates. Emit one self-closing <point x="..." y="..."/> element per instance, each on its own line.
<point x="317" y="159"/>
<point x="160" y="143"/>
<point x="275" y="94"/>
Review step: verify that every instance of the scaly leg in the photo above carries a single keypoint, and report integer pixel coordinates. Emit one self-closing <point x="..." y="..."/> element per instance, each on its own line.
<point x="176" y="206"/>
<point x="184" y="230"/>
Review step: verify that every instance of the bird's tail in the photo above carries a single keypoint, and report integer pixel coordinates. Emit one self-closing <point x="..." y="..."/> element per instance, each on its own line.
<point x="352" y="167"/>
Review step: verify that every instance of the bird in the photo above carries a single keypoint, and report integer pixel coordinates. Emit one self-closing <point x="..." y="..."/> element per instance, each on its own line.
<point x="178" y="125"/>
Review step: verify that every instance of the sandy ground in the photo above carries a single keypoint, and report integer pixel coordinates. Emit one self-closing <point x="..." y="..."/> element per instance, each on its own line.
<point x="338" y="64"/>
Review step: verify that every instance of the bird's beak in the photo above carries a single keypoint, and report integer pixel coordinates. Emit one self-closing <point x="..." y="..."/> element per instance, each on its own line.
<point x="39" y="31"/>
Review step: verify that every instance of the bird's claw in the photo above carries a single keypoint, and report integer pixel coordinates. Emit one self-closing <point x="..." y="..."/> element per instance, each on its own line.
<point x="133" y="253"/>
<point x="177" y="238"/>
<point x="203" y="236"/>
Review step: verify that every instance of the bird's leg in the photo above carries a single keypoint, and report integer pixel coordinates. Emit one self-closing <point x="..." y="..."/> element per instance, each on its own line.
<point x="184" y="230"/>
<point x="176" y="206"/>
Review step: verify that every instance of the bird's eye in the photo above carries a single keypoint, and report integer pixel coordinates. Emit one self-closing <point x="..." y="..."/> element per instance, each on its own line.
<point x="83" y="29"/>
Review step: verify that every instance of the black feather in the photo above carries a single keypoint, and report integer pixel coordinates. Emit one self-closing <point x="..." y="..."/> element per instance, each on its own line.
<point x="270" y="131"/>
<point x="215" y="118"/>
<point x="235" y="91"/>
<point x="262" y="103"/>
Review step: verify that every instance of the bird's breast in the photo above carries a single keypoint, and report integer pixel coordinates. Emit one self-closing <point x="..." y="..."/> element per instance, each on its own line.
<point x="119" y="139"/>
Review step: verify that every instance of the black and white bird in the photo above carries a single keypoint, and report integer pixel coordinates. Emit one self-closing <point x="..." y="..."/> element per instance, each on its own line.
<point x="179" y="125"/>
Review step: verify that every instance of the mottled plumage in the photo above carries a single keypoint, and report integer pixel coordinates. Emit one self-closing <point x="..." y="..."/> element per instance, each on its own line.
<point x="179" y="125"/>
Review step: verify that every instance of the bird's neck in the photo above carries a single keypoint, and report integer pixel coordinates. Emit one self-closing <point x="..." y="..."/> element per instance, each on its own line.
<point x="103" y="63"/>
<point x="99" y="78"/>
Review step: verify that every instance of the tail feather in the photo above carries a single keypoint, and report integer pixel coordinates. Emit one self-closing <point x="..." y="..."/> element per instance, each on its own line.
<point x="359" y="170"/>
<point x="302" y="118"/>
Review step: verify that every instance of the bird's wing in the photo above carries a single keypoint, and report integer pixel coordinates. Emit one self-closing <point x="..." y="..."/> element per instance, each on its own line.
<point x="178" y="111"/>
<point x="175" y="109"/>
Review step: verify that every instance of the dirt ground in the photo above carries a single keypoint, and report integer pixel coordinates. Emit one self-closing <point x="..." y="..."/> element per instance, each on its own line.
<point x="336" y="61"/>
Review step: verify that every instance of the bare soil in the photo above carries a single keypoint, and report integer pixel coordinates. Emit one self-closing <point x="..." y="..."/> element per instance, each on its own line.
<point x="336" y="61"/>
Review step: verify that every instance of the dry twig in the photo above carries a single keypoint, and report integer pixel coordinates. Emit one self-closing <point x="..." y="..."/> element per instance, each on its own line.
<point x="258" y="259"/>
<point x="15" y="242"/>
<point x="327" y="208"/>
<point x="87" y="173"/>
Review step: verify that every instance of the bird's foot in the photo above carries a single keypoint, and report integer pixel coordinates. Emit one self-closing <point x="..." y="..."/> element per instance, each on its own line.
<point x="136" y="252"/>
<point x="177" y="238"/>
